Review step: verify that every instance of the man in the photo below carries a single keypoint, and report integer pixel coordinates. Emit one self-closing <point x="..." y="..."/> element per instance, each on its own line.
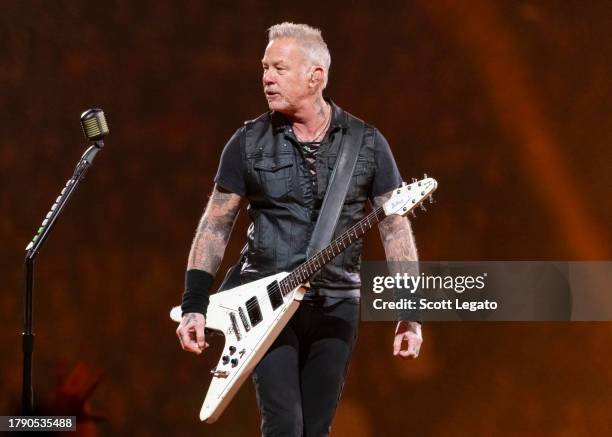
<point x="281" y="163"/>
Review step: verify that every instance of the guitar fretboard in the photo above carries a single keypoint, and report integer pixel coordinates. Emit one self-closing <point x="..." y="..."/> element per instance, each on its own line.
<point x="316" y="262"/>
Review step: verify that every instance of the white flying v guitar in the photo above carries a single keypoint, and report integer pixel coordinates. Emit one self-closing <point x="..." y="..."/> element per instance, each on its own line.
<point x="251" y="316"/>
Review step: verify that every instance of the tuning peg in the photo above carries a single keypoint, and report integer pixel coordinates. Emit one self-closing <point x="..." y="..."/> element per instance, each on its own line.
<point x="422" y="206"/>
<point x="431" y="199"/>
<point x="414" y="180"/>
<point x="425" y="176"/>
<point x="412" y="213"/>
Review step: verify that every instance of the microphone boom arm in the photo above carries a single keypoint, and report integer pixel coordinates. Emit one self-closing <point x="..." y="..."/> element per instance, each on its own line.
<point x="32" y="250"/>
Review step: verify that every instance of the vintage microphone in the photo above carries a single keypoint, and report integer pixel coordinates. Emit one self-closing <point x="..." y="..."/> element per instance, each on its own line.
<point x="93" y="124"/>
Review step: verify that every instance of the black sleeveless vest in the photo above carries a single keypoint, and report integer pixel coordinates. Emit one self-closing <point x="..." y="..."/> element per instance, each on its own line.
<point x="284" y="197"/>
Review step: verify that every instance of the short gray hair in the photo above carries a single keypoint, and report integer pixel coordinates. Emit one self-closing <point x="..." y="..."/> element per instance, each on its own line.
<point x="309" y="38"/>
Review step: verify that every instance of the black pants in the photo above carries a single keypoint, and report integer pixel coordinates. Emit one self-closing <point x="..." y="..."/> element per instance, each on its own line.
<point x="299" y="380"/>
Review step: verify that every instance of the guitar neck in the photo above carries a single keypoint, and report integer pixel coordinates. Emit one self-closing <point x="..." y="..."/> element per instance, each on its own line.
<point x="304" y="271"/>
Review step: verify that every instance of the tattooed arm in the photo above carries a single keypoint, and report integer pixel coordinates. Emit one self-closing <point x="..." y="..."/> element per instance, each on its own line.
<point x="206" y="253"/>
<point x="213" y="231"/>
<point x="400" y="250"/>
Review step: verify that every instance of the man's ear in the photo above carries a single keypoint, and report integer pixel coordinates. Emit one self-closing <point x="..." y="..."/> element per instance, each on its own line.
<point x="316" y="74"/>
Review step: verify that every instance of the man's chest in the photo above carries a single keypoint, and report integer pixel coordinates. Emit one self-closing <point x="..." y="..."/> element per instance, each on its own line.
<point x="299" y="174"/>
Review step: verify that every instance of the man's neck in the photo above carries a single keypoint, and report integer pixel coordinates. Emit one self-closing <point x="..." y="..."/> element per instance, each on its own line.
<point x="309" y="119"/>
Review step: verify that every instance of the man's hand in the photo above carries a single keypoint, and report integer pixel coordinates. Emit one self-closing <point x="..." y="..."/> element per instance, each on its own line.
<point x="410" y="332"/>
<point x="191" y="333"/>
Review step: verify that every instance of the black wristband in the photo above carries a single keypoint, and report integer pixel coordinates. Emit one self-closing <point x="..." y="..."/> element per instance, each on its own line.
<point x="406" y="314"/>
<point x="197" y="287"/>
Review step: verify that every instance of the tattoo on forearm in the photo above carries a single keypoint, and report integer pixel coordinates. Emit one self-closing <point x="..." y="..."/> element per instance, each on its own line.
<point x="396" y="234"/>
<point x="213" y="231"/>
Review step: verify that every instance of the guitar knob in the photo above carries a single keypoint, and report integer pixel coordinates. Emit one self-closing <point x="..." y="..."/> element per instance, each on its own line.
<point x="234" y="362"/>
<point x="225" y="359"/>
<point x="232" y="349"/>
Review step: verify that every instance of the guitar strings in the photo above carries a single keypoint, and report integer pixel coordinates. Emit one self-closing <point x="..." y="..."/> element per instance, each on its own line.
<point x="304" y="267"/>
<point x="319" y="255"/>
<point x="294" y="279"/>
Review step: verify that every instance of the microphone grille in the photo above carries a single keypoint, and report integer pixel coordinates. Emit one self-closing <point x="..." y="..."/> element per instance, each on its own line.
<point x="93" y="123"/>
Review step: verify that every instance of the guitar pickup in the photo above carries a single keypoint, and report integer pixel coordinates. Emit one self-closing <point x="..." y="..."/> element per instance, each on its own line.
<point x="254" y="311"/>
<point x="275" y="295"/>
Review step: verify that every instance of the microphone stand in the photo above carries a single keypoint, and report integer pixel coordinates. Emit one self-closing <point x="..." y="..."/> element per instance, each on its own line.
<point x="31" y="251"/>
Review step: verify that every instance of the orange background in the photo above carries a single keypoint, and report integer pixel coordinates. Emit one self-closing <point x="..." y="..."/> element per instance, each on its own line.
<point x="506" y="103"/>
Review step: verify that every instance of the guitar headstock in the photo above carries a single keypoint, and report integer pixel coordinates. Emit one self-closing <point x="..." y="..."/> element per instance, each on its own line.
<point x="409" y="196"/>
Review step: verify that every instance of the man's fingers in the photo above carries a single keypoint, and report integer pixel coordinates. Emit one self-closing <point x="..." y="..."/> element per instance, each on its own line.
<point x="397" y="343"/>
<point x="406" y="354"/>
<point x="412" y="351"/>
<point x="199" y="330"/>
<point x="412" y="348"/>
<point x="191" y="332"/>
<point x="187" y="342"/>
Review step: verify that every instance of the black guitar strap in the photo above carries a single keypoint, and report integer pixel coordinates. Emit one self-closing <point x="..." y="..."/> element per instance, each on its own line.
<point x="337" y="188"/>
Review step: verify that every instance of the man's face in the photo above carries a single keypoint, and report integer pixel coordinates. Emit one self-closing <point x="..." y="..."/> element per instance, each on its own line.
<point x="285" y="78"/>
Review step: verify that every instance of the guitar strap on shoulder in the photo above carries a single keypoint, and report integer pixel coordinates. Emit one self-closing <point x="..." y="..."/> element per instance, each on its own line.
<point x="337" y="187"/>
<point x="333" y="201"/>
